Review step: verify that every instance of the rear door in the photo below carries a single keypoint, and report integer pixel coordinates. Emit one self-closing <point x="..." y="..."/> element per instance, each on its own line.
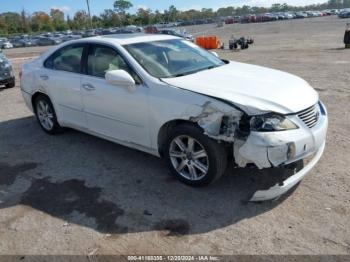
<point x="61" y="78"/>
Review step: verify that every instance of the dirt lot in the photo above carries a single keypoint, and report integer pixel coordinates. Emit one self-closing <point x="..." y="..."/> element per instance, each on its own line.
<point x="77" y="194"/>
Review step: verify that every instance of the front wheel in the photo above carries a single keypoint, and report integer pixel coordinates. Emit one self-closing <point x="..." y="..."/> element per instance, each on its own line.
<point x="193" y="157"/>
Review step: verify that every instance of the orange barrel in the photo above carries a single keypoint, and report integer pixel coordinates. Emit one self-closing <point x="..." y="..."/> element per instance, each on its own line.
<point x="204" y="45"/>
<point x="211" y="40"/>
<point x="208" y="44"/>
<point x="202" y="41"/>
<point x="199" y="41"/>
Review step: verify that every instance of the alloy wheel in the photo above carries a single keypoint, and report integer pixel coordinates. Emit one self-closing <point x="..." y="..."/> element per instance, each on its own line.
<point x="189" y="157"/>
<point x="45" y="115"/>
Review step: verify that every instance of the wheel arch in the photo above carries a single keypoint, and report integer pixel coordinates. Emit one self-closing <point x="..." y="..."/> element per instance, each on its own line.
<point x="165" y="129"/>
<point x="35" y="96"/>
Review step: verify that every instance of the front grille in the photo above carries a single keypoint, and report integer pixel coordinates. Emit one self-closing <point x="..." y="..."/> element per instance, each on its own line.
<point x="310" y="116"/>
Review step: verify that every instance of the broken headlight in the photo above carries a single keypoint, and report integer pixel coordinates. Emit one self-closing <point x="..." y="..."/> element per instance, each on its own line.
<point x="271" y="122"/>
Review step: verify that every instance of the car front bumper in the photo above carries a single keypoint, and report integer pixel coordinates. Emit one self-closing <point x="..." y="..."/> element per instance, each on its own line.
<point x="278" y="149"/>
<point x="5" y="81"/>
<point x="278" y="190"/>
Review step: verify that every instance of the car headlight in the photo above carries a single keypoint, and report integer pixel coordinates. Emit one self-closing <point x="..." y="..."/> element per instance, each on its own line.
<point x="271" y="122"/>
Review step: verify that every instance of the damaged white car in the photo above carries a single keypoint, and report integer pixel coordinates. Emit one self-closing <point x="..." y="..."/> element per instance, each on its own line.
<point x="166" y="96"/>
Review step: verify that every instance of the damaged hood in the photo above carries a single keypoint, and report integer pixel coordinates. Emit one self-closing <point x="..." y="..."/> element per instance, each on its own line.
<point x="255" y="89"/>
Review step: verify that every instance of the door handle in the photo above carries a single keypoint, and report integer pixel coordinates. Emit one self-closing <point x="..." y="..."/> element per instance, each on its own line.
<point x="44" y="77"/>
<point x="88" y="87"/>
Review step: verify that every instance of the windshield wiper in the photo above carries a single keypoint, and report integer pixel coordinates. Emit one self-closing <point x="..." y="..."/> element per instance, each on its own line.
<point x="196" y="71"/>
<point x="210" y="67"/>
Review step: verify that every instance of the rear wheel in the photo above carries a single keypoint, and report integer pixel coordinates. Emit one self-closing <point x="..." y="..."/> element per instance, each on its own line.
<point x="193" y="157"/>
<point x="46" y="115"/>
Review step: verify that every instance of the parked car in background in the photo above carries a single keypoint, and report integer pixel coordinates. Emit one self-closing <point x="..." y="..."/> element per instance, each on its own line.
<point x="170" y="98"/>
<point x="124" y="31"/>
<point x="70" y="37"/>
<point x="280" y="16"/>
<point x="89" y="33"/>
<point x="334" y="11"/>
<point x="5" y="43"/>
<point x="248" y="19"/>
<point x="270" y="17"/>
<point x="344" y="13"/>
<point x="45" y="41"/>
<point x="7" y="76"/>
<point x="300" y="15"/>
<point x="231" y="20"/>
<point x="289" y="15"/>
<point x="134" y="28"/>
<point x="176" y="33"/>
<point x="23" y="41"/>
<point x="185" y="23"/>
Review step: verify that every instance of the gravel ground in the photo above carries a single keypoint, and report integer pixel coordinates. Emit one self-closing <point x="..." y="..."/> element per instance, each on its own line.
<point x="77" y="194"/>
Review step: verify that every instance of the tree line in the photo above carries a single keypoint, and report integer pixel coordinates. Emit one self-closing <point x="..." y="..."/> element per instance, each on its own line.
<point x="118" y="15"/>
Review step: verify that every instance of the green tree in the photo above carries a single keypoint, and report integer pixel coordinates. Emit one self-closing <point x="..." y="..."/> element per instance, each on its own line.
<point x="41" y="21"/>
<point x="58" y="21"/>
<point x="13" y="22"/>
<point x="110" y="18"/>
<point x="172" y="13"/>
<point x="156" y="17"/>
<point x="81" y="20"/>
<point x="70" y="22"/>
<point x="25" y="27"/>
<point x="97" y="21"/>
<point x="121" y="6"/>
<point x="207" y="13"/>
<point x="3" y="26"/>
<point x="226" y="11"/>
<point x="143" y="16"/>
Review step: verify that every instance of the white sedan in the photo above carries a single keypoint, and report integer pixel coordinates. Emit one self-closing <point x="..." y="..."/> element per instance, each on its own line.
<point x="168" y="97"/>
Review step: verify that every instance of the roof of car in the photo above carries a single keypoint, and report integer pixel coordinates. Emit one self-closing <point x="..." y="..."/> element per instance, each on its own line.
<point x="125" y="39"/>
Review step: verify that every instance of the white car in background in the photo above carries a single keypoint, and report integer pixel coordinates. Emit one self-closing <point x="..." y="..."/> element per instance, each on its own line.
<point x="168" y="97"/>
<point x="5" y="43"/>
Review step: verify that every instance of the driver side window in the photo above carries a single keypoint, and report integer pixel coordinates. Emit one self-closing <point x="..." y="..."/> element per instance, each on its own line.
<point x="102" y="59"/>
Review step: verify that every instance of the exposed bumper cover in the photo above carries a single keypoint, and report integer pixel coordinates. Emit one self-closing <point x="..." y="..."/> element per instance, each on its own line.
<point x="278" y="190"/>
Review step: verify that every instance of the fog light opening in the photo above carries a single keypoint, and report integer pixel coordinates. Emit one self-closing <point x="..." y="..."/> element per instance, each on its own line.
<point x="291" y="151"/>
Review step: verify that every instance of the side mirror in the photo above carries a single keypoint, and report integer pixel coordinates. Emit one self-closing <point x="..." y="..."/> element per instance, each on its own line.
<point x="120" y="78"/>
<point x="214" y="53"/>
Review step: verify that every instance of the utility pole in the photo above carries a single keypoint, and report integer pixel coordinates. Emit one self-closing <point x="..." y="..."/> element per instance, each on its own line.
<point x="88" y="6"/>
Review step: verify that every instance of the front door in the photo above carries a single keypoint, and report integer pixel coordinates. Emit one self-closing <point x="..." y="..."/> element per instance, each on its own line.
<point x="114" y="111"/>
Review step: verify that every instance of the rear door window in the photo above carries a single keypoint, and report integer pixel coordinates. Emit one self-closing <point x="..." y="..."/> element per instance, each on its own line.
<point x="66" y="59"/>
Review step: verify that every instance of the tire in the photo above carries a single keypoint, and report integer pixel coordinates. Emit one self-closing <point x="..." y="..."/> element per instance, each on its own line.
<point x="10" y="85"/>
<point x="46" y="116"/>
<point x="202" y="165"/>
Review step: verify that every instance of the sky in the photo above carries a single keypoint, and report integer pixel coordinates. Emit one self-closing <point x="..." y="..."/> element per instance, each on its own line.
<point x="97" y="6"/>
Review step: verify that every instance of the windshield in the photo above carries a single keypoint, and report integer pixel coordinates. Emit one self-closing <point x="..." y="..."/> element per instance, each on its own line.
<point x="172" y="58"/>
